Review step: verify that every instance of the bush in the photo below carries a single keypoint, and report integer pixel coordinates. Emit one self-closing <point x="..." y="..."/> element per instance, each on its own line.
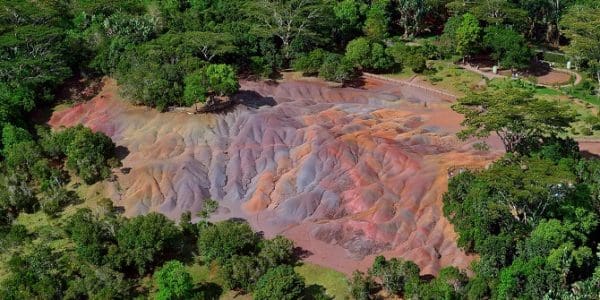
<point x="396" y="276"/>
<point x="173" y="281"/>
<point x="408" y="56"/>
<point x="586" y="131"/>
<point x="226" y="239"/>
<point x="358" y="52"/>
<point x="380" y="61"/>
<point x="241" y="272"/>
<point x="146" y="241"/>
<point x="281" y="282"/>
<point x="361" y="286"/>
<point x="88" y="153"/>
<point x="277" y="251"/>
<point x="555" y="58"/>
<point x="364" y="55"/>
<point x="337" y="68"/>
<point x="310" y="63"/>
<point x="416" y="62"/>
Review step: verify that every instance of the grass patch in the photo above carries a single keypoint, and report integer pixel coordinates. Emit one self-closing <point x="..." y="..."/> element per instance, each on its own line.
<point x="583" y="95"/>
<point x="334" y="282"/>
<point x="587" y="119"/>
<point x="204" y="273"/>
<point x="406" y="73"/>
<point x="451" y="78"/>
<point x="544" y="91"/>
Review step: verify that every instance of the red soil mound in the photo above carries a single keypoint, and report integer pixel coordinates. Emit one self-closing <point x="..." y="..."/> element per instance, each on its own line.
<point x="346" y="173"/>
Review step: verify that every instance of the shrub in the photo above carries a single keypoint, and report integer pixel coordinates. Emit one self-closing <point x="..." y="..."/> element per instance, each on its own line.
<point x="241" y="272"/>
<point x="337" y="68"/>
<point x="281" y="282"/>
<point x="88" y="153"/>
<point x="173" y="281"/>
<point x="226" y="239"/>
<point x="416" y="62"/>
<point x="361" y="286"/>
<point x="146" y="241"/>
<point x="278" y="250"/>
<point x="310" y="63"/>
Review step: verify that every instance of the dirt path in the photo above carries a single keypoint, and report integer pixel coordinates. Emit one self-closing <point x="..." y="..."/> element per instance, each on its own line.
<point x="481" y="72"/>
<point x="490" y="75"/>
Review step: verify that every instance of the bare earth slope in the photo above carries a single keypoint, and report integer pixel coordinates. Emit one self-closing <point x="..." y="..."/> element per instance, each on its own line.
<point x="346" y="173"/>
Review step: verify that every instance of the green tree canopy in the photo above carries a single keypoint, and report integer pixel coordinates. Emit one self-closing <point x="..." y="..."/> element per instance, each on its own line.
<point x="378" y="20"/>
<point x="173" y="281"/>
<point x="88" y="153"/>
<point x="513" y="114"/>
<point x="221" y="79"/>
<point x="281" y="282"/>
<point x="146" y="241"/>
<point x="349" y="15"/>
<point x="277" y="251"/>
<point x="581" y="25"/>
<point x="466" y="35"/>
<point x="289" y="21"/>
<point x="195" y="88"/>
<point x="509" y="48"/>
<point x="225" y="239"/>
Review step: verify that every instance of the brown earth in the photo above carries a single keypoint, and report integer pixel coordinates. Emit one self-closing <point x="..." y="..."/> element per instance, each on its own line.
<point x="346" y="173"/>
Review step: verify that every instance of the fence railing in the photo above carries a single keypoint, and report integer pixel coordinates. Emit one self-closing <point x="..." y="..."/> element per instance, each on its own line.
<point x="447" y="95"/>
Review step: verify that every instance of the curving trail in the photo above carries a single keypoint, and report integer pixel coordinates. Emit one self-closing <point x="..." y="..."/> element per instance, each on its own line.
<point x="346" y="173"/>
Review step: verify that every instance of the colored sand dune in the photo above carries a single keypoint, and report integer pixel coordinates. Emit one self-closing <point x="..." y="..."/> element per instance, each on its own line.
<point x="346" y="173"/>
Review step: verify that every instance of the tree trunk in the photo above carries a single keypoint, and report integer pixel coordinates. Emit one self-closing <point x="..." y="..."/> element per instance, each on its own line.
<point x="598" y="77"/>
<point x="211" y="101"/>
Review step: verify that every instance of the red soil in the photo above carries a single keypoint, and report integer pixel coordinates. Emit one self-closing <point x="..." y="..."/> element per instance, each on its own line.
<point x="553" y="77"/>
<point x="345" y="173"/>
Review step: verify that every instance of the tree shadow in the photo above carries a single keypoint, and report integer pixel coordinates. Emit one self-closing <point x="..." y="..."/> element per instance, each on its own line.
<point x="121" y="152"/>
<point x="589" y="155"/>
<point x="316" y="292"/>
<point x="253" y="99"/>
<point x="301" y="253"/>
<point x="237" y="220"/>
<point x="356" y="83"/>
<point x="208" y="291"/>
<point x="539" y="68"/>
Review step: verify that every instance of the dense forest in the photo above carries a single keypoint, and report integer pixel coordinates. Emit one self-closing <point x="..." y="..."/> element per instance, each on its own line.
<point x="532" y="217"/>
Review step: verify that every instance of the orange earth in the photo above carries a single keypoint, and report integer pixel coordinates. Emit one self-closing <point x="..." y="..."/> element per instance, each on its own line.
<point x="346" y="173"/>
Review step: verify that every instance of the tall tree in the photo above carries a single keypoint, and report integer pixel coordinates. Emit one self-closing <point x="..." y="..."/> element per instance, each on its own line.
<point x="146" y="241"/>
<point x="467" y="35"/>
<point x="173" y="281"/>
<point x="412" y="14"/>
<point x="508" y="47"/>
<point x="378" y="20"/>
<point x="209" y="45"/>
<point x="287" y="19"/>
<point x="581" y="25"/>
<point x="349" y="15"/>
<point x="513" y="114"/>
